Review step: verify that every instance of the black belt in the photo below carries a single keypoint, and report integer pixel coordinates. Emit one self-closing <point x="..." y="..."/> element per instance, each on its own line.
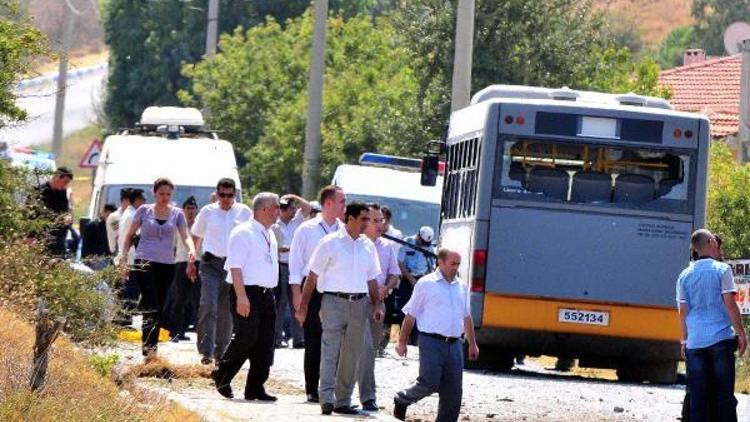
<point x="351" y="297"/>
<point x="441" y="337"/>
<point x="208" y="256"/>
<point x="259" y="289"/>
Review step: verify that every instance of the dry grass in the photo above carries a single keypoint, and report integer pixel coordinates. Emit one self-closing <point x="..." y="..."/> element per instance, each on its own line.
<point x="79" y="59"/>
<point x="159" y="367"/>
<point x="656" y="18"/>
<point x="74" y="390"/>
<point x="742" y="379"/>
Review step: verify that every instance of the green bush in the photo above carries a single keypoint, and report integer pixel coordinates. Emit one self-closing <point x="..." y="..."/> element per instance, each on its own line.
<point x="104" y="364"/>
<point x="29" y="275"/>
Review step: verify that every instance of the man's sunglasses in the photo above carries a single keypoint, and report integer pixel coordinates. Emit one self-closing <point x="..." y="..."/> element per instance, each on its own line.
<point x="225" y="195"/>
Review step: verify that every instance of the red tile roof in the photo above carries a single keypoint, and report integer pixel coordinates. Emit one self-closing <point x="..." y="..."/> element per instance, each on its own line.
<point x="711" y="87"/>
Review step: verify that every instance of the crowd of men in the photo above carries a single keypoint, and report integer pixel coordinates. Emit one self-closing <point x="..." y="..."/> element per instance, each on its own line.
<point x="326" y="276"/>
<point x="333" y="277"/>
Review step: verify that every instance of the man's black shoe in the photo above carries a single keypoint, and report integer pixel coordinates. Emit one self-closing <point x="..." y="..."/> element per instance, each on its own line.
<point x="225" y="390"/>
<point x="370" y="406"/>
<point x="326" y="408"/>
<point x="399" y="410"/>
<point x="312" y="398"/>
<point x="205" y="360"/>
<point x="262" y="396"/>
<point x="300" y="345"/>
<point x="183" y="337"/>
<point x="346" y="410"/>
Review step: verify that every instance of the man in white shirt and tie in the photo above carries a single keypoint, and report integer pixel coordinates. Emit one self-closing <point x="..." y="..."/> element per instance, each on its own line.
<point x="306" y="238"/>
<point x="440" y="308"/>
<point x="343" y="267"/>
<point x="253" y="263"/>
<point x="211" y="230"/>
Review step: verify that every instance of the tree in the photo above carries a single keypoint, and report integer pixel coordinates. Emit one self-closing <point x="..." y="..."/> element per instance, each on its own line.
<point x="551" y="43"/>
<point x="672" y="49"/>
<point x="728" y="202"/>
<point x="149" y="41"/>
<point x="256" y="89"/>
<point x="19" y="44"/>
<point x="712" y="17"/>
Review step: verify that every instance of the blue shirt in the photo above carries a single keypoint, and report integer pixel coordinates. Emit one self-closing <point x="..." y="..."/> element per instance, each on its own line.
<point x="701" y="286"/>
<point x="414" y="261"/>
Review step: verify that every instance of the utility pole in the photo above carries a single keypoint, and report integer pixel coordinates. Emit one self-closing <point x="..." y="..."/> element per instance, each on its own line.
<point x="212" y="31"/>
<point x="463" y="48"/>
<point x="311" y="164"/>
<point x="62" y="79"/>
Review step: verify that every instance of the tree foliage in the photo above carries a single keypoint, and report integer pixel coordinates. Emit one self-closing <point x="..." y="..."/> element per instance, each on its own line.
<point x="149" y="41"/>
<point x="728" y="202"/>
<point x="256" y="91"/>
<point x="20" y="42"/>
<point x="551" y="43"/>
<point x="712" y="17"/>
<point x="671" y="50"/>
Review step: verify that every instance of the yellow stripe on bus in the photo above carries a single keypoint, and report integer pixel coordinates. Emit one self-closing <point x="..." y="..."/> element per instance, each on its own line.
<point x="542" y="315"/>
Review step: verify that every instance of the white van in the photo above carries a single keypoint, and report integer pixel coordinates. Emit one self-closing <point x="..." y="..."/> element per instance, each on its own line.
<point x="168" y="142"/>
<point x="395" y="183"/>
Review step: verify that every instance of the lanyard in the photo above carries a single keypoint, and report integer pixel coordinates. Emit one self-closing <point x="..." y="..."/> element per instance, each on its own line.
<point x="320" y="223"/>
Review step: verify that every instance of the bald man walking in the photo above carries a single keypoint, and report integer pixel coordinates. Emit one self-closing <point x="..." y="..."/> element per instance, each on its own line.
<point x="440" y="308"/>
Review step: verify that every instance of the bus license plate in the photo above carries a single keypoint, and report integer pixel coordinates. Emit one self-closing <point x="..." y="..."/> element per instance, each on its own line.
<point x="577" y="316"/>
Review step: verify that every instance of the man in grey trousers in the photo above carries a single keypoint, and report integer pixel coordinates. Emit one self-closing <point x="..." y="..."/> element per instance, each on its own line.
<point x="343" y="267"/>
<point x="211" y="231"/>
<point x="440" y="307"/>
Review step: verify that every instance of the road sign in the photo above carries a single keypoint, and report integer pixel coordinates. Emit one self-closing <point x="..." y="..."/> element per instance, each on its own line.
<point x="91" y="158"/>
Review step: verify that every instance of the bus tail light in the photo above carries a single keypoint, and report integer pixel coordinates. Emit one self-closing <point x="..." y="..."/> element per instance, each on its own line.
<point x="479" y="266"/>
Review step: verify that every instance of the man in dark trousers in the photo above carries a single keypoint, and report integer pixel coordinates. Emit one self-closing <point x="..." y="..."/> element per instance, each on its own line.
<point x="95" y="246"/>
<point x="253" y="262"/>
<point x="711" y="330"/>
<point x="440" y="308"/>
<point x="55" y="199"/>
<point x="306" y="239"/>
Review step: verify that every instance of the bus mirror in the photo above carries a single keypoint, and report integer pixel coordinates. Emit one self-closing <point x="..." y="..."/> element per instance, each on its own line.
<point x="430" y="165"/>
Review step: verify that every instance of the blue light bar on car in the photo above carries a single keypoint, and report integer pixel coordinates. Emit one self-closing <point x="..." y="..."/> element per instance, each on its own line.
<point x="373" y="159"/>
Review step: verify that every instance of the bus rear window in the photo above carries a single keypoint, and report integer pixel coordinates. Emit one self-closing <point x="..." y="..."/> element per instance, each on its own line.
<point x="598" y="175"/>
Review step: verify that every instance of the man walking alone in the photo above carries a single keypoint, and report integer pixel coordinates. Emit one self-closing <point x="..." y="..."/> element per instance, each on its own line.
<point x="440" y="308"/>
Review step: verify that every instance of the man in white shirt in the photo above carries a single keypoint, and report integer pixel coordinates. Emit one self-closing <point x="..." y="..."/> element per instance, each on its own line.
<point x="440" y="307"/>
<point x="343" y="267"/>
<point x="387" y="279"/>
<point x="306" y="238"/>
<point x="211" y="230"/>
<point x="113" y="221"/>
<point x="253" y="263"/>
<point x="294" y="210"/>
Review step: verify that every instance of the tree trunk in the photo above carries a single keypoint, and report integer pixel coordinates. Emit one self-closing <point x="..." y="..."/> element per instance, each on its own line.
<point x="47" y="331"/>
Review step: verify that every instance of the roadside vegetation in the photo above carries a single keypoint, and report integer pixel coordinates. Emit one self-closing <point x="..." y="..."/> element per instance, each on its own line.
<point x="76" y="390"/>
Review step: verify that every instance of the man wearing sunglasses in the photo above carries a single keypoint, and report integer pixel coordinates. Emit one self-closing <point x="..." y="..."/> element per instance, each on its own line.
<point x="211" y="230"/>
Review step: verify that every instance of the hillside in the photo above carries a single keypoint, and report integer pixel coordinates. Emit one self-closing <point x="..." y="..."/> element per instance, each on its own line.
<point x="656" y="18"/>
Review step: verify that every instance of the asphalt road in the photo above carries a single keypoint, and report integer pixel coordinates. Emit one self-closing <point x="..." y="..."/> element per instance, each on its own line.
<point x="37" y="97"/>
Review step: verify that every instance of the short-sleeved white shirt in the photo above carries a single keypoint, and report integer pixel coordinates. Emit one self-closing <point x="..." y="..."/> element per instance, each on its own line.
<point x="306" y="238"/>
<point x="344" y="264"/>
<point x="214" y="225"/>
<point x="285" y="233"/>
<point x="253" y="249"/>
<point x="439" y="306"/>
